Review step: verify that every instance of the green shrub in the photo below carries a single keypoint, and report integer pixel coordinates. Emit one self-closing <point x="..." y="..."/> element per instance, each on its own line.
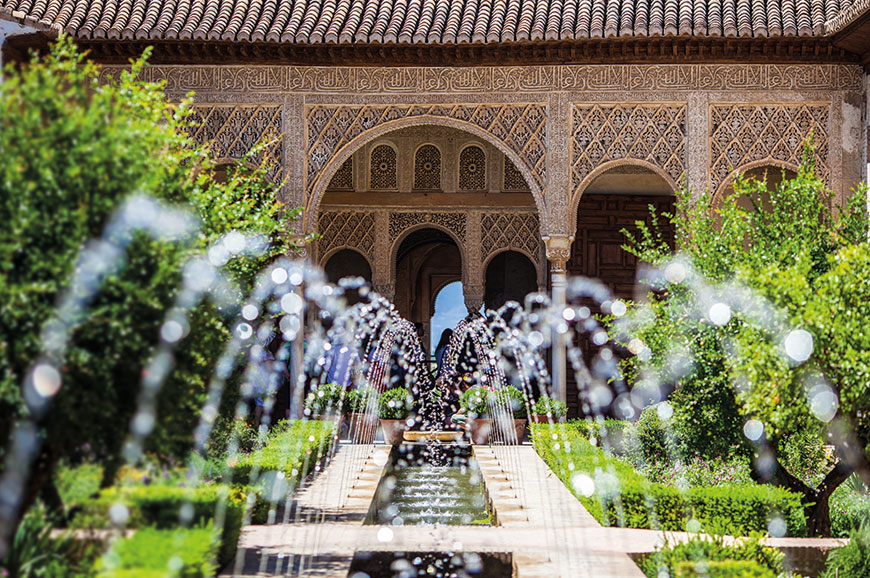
<point x="34" y="553"/>
<point x="294" y="450"/>
<point x="357" y="399"/>
<point x="723" y="569"/>
<point x="178" y="553"/>
<point x="710" y="557"/>
<point x="396" y="403"/>
<point x="552" y="407"/>
<point x="326" y="399"/>
<point x="849" y="509"/>
<point x="656" y="442"/>
<point x="853" y="559"/>
<point x="623" y="497"/>
<point x="620" y="437"/>
<point x="511" y="397"/>
<point x="475" y="401"/>
<point x="76" y="484"/>
<point x="162" y="507"/>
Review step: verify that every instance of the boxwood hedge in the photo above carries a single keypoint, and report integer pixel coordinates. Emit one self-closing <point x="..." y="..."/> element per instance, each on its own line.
<point x="623" y="497"/>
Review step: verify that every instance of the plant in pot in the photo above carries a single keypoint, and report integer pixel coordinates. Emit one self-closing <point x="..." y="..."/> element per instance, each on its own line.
<point x="475" y="403"/>
<point x="360" y="408"/>
<point x="325" y="402"/>
<point x="547" y="410"/>
<point x="394" y="408"/>
<point x="512" y="411"/>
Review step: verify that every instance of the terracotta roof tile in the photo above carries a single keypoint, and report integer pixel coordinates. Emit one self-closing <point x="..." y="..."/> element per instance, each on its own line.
<point x="427" y="21"/>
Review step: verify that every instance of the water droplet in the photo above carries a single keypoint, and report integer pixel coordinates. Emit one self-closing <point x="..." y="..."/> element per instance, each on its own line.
<point x="385" y="535"/>
<point x="250" y="312"/>
<point x="46" y="380"/>
<point x="753" y="430"/>
<point x="583" y="484"/>
<point x="777" y="527"/>
<point x="693" y="526"/>
<point x="675" y="273"/>
<point x="119" y="514"/>
<point x="291" y="303"/>
<point x="823" y="402"/>
<point x="171" y="331"/>
<point x="279" y="276"/>
<point x="568" y="314"/>
<point x="235" y="242"/>
<point x="799" y="345"/>
<point x="665" y="410"/>
<point x="618" y="308"/>
<point x="536" y="338"/>
<point x="143" y="423"/>
<point x="719" y="314"/>
<point x="244" y="331"/>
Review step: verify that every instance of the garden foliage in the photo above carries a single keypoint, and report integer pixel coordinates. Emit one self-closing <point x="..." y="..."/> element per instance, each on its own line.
<point x="710" y="557"/>
<point x="853" y="559"/>
<point x="75" y="146"/>
<point x="624" y="497"/>
<point x="396" y="403"/>
<point x="811" y="263"/>
<point x="156" y="553"/>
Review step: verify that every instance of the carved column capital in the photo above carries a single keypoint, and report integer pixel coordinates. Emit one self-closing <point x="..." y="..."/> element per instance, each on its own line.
<point x="473" y="297"/>
<point x="385" y="290"/>
<point x="558" y="250"/>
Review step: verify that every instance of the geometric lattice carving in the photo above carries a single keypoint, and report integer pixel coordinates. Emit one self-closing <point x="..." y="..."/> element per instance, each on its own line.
<point x="342" y="180"/>
<point x="745" y="133"/>
<point x="427" y="168"/>
<point x="232" y="131"/>
<point x="515" y="231"/>
<point x="655" y="133"/>
<point x="520" y="127"/>
<point x="472" y="169"/>
<point x="384" y="175"/>
<point x="514" y="181"/>
<point x="354" y="229"/>
<point x="402" y="221"/>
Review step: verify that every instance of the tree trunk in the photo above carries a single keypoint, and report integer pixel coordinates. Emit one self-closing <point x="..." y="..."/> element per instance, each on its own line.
<point x="818" y="515"/>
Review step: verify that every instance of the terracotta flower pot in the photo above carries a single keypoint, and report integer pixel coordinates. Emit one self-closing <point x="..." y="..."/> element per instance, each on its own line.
<point x="362" y="428"/>
<point x="542" y="418"/>
<point x="394" y="430"/>
<point x="479" y="429"/>
<point x="520" y="428"/>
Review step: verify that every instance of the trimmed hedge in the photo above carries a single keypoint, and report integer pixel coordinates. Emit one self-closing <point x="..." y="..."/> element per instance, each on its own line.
<point x="294" y="449"/>
<point x="723" y="569"/>
<point x="152" y="553"/>
<point x="623" y="497"/>
<point x="160" y="507"/>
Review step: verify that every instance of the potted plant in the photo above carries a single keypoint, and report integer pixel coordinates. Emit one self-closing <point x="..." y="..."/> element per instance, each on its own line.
<point x="547" y="410"/>
<point x="394" y="407"/>
<point x="360" y="409"/>
<point x="325" y="402"/>
<point x="512" y="403"/>
<point x="475" y="403"/>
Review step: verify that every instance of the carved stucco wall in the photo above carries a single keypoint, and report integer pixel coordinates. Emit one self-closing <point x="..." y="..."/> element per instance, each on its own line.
<point x="536" y="113"/>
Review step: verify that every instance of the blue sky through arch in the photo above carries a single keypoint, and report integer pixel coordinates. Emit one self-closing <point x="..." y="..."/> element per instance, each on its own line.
<point x="449" y="310"/>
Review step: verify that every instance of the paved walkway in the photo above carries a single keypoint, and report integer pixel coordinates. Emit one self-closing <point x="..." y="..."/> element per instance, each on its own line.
<point x="539" y="521"/>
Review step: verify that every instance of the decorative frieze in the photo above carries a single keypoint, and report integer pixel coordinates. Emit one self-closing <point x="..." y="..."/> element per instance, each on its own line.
<point x="521" y="127"/>
<point x="741" y="134"/>
<point x="346" y="229"/>
<point x="654" y="133"/>
<point x="232" y="131"/>
<point x="507" y="79"/>
<point x="510" y="231"/>
<point x="400" y="222"/>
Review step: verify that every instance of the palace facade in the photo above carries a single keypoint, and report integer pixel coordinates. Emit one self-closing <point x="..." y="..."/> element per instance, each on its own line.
<point x="502" y="143"/>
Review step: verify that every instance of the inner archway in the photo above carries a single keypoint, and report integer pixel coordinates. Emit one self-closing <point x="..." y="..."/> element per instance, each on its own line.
<point x="617" y="199"/>
<point x="427" y="260"/>
<point x="510" y="276"/>
<point x="347" y="263"/>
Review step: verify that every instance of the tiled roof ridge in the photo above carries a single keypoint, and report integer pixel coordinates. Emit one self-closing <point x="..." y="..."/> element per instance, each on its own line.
<point x="429" y="21"/>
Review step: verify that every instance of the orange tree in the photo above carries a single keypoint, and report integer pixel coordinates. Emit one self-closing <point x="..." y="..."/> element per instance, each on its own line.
<point x="787" y="346"/>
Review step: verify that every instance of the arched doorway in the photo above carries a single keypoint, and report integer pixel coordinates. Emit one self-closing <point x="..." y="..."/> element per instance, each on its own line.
<point x="426" y="260"/>
<point x="615" y="200"/>
<point x="510" y="276"/>
<point x="771" y="175"/>
<point x="347" y="263"/>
